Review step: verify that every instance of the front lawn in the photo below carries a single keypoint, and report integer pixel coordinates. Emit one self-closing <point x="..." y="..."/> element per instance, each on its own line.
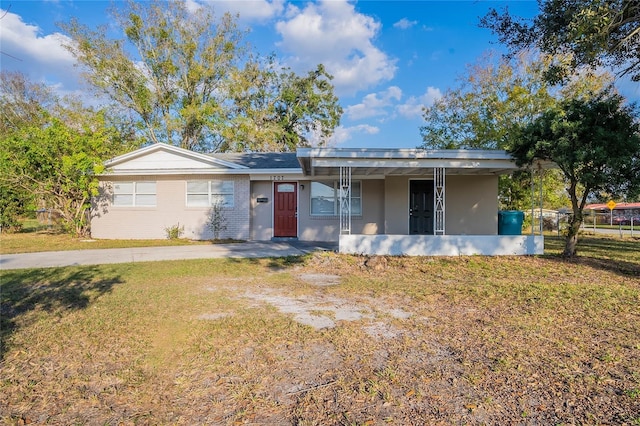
<point x="326" y="339"/>
<point x="35" y="237"/>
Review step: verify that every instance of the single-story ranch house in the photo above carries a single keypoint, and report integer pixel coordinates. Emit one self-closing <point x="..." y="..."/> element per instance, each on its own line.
<point x="370" y="201"/>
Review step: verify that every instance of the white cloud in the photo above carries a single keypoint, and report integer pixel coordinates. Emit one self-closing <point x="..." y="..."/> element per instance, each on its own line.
<point x="41" y="57"/>
<point x="374" y="104"/>
<point x="24" y="41"/>
<point x="331" y="32"/>
<point x="249" y="10"/>
<point x="412" y="108"/>
<point x="386" y="103"/>
<point x="404" y="24"/>
<point x="192" y="6"/>
<point x="343" y="134"/>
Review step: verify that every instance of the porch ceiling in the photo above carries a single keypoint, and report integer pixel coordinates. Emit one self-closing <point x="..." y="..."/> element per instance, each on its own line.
<point x="416" y="162"/>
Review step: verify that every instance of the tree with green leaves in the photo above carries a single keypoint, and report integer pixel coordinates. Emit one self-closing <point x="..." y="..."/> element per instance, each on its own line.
<point x="50" y="152"/>
<point x="306" y="107"/>
<point x="191" y="81"/>
<point x="57" y="165"/>
<point x="490" y="106"/>
<point x="595" y="32"/>
<point x="274" y="109"/>
<point x="21" y="102"/>
<point x="174" y="83"/>
<point x="595" y="143"/>
<point x="493" y="101"/>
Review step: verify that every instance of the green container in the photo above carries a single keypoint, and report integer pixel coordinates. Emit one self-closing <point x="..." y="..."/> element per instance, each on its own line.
<point x="510" y="222"/>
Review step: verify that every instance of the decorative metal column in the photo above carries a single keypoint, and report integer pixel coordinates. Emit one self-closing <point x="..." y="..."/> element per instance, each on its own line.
<point x="540" y="172"/>
<point x="533" y="201"/>
<point x="439" y="190"/>
<point x="345" y="200"/>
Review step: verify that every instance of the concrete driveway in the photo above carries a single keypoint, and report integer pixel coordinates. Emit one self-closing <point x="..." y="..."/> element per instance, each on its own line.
<point x="250" y="249"/>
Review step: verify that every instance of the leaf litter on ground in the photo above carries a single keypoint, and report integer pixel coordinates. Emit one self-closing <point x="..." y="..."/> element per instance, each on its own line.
<point x="469" y="340"/>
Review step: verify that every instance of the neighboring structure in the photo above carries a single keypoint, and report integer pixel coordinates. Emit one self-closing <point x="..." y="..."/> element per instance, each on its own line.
<point x="373" y="201"/>
<point x="546" y="219"/>
<point x="622" y="213"/>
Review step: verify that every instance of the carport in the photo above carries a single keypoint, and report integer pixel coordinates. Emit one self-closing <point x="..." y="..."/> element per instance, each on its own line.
<point x="436" y="202"/>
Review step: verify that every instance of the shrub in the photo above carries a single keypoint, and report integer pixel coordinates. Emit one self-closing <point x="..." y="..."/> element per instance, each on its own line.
<point x="174" y="232"/>
<point x="217" y="221"/>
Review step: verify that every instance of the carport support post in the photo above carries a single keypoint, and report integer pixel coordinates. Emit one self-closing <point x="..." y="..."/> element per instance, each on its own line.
<point x="439" y="191"/>
<point x="533" y="198"/>
<point x="541" y="184"/>
<point x="345" y="200"/>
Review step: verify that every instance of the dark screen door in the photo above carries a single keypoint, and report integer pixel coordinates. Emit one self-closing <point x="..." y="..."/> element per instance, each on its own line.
<point x="285" y="218"/>
<point x="421" y="207"/>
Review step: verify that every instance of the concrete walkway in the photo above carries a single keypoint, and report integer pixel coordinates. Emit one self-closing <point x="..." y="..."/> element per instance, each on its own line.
<point x="250" y="249"/>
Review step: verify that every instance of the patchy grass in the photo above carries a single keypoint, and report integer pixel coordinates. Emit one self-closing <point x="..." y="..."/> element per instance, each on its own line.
<point x="53" y="241"/>
<point x="622" y="252"/>
<point x="469" y="340"/>
<point x="35" y="237"/>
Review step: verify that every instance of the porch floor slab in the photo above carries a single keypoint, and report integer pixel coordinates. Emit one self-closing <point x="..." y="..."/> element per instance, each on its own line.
<point x="442" y="245"/>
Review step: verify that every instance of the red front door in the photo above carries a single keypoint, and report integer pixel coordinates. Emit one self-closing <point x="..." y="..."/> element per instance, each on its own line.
<point x="285" y="209"/>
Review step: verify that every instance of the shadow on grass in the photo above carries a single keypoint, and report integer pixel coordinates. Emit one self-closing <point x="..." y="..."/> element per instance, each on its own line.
<point x="620" y="256"/>
<point x="274" y="263"/>
<point x="48" y="290"/>
<point x="287" y="261"/>
<point x="35" y="226"/>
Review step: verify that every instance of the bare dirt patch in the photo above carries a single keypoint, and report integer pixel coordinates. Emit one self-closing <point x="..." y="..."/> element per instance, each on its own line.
<point x="321" y="310"/>
<point x="315" y="310"/>
<point x="321" y="280"/>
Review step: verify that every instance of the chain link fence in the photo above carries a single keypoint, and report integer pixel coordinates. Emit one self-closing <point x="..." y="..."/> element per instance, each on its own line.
<point x="623" y="221"/>
<point x="611" y="223"/>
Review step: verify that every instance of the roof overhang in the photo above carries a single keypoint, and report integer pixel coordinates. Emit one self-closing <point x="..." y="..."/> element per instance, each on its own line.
<point x="389" y="162"/>
<point x="203" y="171"/>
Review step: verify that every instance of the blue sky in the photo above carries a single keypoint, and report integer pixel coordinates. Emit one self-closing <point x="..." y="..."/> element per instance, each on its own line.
<point x="389" y="58"/>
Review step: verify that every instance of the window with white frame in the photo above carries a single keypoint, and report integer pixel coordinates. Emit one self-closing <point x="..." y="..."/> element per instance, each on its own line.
<point x="134" y="194"/>
<point x="325" y="198"/>
<point x="206" y="193"/>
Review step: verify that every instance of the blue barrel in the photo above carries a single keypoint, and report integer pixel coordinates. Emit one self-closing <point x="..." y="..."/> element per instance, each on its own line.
<point x="510" y="222"/>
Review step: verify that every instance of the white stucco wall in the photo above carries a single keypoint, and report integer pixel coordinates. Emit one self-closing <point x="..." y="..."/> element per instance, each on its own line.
<point x="471" y="209"/>
<point x="471" y="204"/>
<point x="261" y="213"/>
<point x="326" y="228"/>
<point x="116" y="222"/>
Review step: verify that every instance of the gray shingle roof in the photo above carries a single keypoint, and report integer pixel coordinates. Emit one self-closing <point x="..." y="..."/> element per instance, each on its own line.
<point x="262" y="160"/>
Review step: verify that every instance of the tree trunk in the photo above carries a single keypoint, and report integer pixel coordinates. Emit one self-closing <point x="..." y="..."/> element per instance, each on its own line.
<point x="576" y="219"/>
<point x="572" y="235"/>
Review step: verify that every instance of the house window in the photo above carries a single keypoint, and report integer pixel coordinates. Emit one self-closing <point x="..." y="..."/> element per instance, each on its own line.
<point x="134" y="194"/>
<point x="325" y="198"/>
<point x="206" y="193"/>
